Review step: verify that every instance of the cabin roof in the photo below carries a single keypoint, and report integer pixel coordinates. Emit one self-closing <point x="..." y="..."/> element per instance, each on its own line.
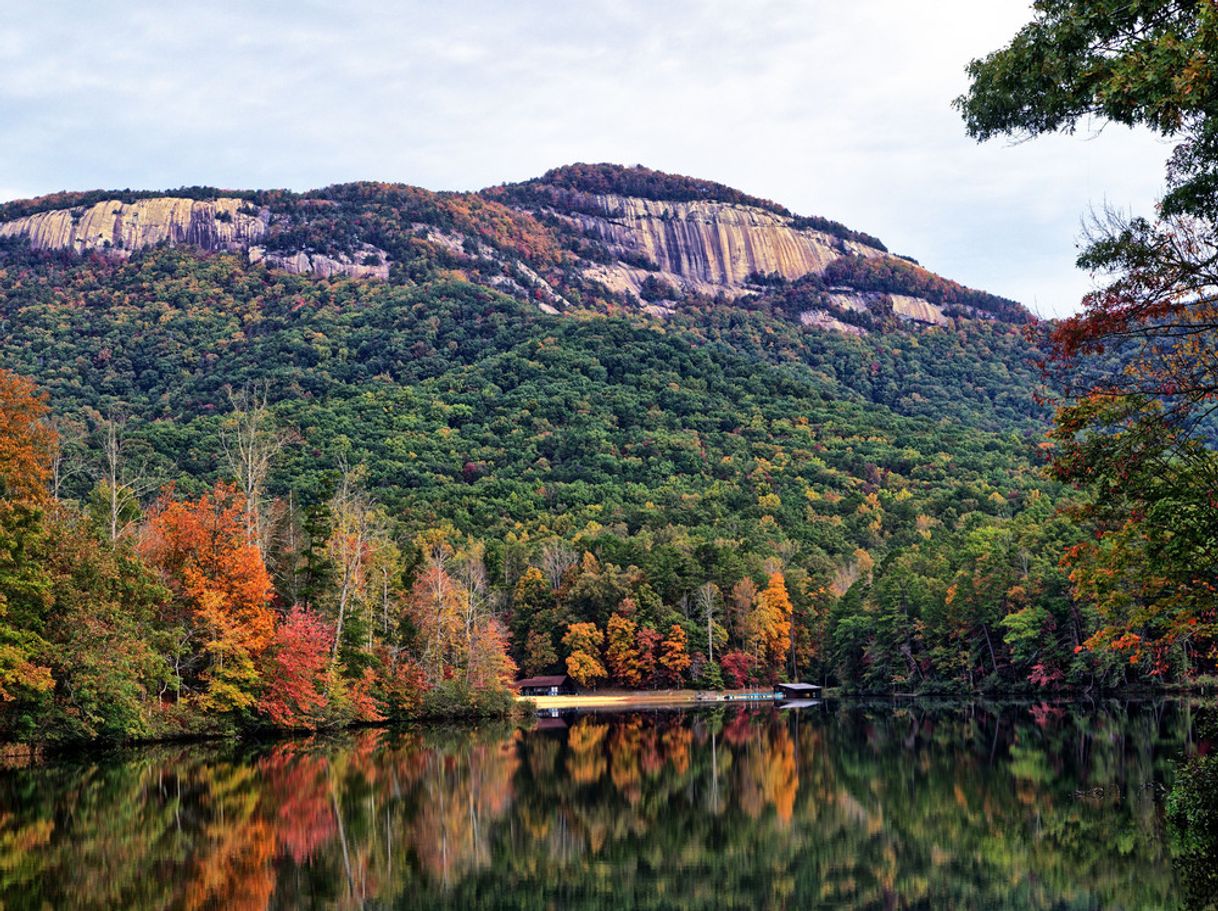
<point x="553" y="680"/>
<point x="798" y="687"/>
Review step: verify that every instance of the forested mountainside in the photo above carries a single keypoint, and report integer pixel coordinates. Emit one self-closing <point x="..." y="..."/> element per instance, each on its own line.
<point x="641" y="427"/>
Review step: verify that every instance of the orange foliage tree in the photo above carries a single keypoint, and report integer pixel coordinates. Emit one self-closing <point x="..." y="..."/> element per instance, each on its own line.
<point x="674" y="658"/>
<point x="435" y="604"/>
<point x="489" y="665"/>
<point x="622" y="651"/>
<point x="769" y="624"/>
<point x="583" y="642"/>
<point x="221" y="587"/>
<point x="26" y="443"/>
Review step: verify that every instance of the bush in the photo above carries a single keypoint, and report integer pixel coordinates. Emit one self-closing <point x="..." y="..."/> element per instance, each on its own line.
<point x="710" y="677"/>
<point x="455" y="699"/>
<point x="656" y="289"/>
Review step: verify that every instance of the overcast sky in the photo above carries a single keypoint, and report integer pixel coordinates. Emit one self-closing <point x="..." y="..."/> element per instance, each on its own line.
<point x="832" y="108"/>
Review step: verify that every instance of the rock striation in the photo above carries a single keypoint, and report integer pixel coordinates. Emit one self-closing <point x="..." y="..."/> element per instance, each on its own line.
<point x="516" y="279"/>
<point x="225" y="224"/>
<point x="702" y="246"/>
<point x="119" y="228"/>
<point x="713" y="242"/>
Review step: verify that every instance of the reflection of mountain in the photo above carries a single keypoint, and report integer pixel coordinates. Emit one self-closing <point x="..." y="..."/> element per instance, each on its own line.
<point x="718" y="809"/>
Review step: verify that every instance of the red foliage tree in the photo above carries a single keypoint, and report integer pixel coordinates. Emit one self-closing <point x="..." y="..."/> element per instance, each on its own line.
<point x="295" y="673"/>
<point x="648" y="654"/>
<point x="737" y="668"/>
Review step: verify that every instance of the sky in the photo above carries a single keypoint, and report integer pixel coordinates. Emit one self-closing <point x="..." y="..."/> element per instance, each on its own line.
<point x="830" y="108"/>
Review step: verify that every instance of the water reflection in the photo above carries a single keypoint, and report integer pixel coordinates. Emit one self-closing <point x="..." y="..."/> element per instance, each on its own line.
<point x="1014" y="807"/>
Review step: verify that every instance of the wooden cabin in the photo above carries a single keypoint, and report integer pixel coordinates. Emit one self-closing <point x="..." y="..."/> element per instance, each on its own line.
<point x="790" y="691"/>
<point x="555" y="685"/>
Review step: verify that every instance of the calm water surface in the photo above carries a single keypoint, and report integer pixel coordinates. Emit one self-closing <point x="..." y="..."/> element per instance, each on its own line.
<point x="881" y="807"/>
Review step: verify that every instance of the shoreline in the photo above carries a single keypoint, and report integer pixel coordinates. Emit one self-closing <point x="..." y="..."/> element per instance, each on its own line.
<point x="621" y="700"/>
<point x="21" y="753"/>
<point x="627" y="699"/>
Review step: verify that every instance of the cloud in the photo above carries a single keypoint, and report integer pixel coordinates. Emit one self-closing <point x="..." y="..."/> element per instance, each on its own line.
<point x="831" y="108"/>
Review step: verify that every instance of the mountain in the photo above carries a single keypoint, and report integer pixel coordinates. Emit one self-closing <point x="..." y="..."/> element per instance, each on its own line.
<point x="684" y="382"/>
<point x="611" y="234"/>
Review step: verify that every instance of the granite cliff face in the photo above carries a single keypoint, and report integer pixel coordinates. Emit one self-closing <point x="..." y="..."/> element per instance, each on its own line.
<point x="370" y="262"/>
<point x="699" y="246"/>
<point x="710" y="243"/>
<point x="119" y="228"/>
<point x="224" y="224"/>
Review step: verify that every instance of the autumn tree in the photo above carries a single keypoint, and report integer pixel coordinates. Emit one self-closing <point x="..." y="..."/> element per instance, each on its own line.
<point x="295" y="675"/>
<point x="737" y="668"/>
<point x="583" y="642"/>
<point x="622" y="652"/>
<point x="436" y="604"/>
<point x="222" y="587"/>
<point x="739" y="606"/>
<point x="1137" y="365"/>
<point x="648" y="642"/>
<point x="674" y="656"/>
<point x="27" y="443"/>
<point x="489" y="664"/>
<point x="768" y="625"/>
<point x="26" y="447"/>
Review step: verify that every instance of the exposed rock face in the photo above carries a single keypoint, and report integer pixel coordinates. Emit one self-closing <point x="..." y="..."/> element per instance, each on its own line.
<point x="910" y="309"/>
<point x="370" y="262"/>
<point x="702" y="246"/>
<point x="822" y="319"/>
<point x="858" y="301"/>
<point x="517" y="280"/>
<point x="918" y="310"/>
<point x="119" y="228"/>
<point x="217" y="225"/>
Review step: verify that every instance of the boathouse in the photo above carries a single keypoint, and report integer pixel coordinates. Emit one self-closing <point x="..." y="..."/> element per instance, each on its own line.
<point x="556" y="685"/>
<point x="787" y="691"/>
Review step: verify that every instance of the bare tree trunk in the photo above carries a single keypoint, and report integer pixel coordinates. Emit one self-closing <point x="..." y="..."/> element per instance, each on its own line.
<point x="112" y="451"/>
<point x="67" y="460"/>
<point x="123" y="486"/>
<point x="707" y="598"/>
<point x="291" y="548"/>
<point x="251" y="442"/>
<point x="473" y="577"/>
<point x="556" y="559"/>
<point x="349" y="543"/>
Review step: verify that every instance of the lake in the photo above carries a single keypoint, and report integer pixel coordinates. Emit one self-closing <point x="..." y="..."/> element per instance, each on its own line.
<point x="882" y="806"/>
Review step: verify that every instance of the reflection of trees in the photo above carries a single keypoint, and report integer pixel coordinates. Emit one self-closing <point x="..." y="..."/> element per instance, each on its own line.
<point x="235" y="844"/>
<point x="883" y="807"/>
